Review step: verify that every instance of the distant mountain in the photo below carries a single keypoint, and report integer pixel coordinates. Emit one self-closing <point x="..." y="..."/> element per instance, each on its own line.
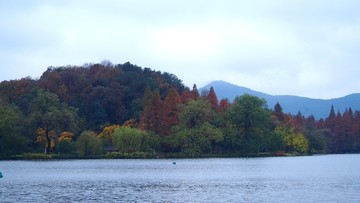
<point x="320" y="108"/>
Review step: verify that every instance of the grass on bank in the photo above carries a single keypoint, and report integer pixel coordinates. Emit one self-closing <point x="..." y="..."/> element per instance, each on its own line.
<point x="139" y="155"/>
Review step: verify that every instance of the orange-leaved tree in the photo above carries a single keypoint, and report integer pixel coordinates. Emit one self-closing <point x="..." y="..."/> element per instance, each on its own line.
<point x="152" y="114"/>
<point x="170" y="111"/>
<point x="212" y="98"/>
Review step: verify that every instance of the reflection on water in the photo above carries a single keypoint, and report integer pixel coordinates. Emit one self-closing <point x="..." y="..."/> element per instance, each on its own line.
<point x="282" y="179"/>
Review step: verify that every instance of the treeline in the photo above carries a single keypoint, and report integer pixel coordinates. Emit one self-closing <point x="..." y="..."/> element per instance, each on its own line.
<point x="125" y="111"/>
<point x="74" y="99"/>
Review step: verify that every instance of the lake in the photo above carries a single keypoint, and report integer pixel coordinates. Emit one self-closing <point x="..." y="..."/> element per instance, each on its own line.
<point x="327" y="178"/>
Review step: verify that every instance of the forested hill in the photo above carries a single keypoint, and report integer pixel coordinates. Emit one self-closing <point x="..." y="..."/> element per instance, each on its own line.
<point x="121" y="111"/>
<point x="319" y="108"/>
<point x="102" y="93"/>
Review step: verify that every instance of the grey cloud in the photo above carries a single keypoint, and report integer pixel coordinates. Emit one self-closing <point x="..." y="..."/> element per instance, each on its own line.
<point x="277" y="46"/>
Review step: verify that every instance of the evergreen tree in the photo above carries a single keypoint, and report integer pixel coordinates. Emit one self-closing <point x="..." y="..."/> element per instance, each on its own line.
<point x="171" y="111"/>
<point x="278" y="112"/>
<point x="185" y="96"/>
<point x="195" y="93"/>
<point x="151" y="118"/>
<point x="212" y="98"/>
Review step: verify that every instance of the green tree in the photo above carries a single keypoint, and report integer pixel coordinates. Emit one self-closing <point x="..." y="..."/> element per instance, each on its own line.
<point x="66" y="147"/>
<point x="276" y="143"/>
<point x="65" y="143"/>
<point x="319" y="141"/>
<point x="195" y="134"/>
<point x="50" y="115"/>
<point x="127" y="139"/>
<point x="88" y="144"/>
<point x="11" y="121"/>
<point x="195" y="113"/>
<point x="252" y="120"/>
<point x="13" y="144"/>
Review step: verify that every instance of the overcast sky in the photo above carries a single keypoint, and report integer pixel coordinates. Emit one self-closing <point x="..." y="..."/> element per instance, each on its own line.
<point x="308" y="48"/>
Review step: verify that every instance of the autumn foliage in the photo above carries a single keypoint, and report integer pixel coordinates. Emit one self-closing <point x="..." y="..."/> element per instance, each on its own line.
<point x="104" y="108"/>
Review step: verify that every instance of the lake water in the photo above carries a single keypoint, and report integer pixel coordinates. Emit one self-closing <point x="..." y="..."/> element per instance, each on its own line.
<point x="329" y="178"/>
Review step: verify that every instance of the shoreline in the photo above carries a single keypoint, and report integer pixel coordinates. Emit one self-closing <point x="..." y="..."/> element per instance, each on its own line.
<point x="39" y="156"/>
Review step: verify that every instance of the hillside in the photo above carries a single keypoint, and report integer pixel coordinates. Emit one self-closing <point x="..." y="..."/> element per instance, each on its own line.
<point x="320" y="108"/>
<point x="125" y="111"/>
<point x="101" y="93"/>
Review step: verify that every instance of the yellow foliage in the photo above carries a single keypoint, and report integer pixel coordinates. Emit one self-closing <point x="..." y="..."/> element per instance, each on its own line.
<point x="52" y="144"/>
<point x="295" y="141"/>
<point x="40" y="131"/>
<point x="108" y="132"/>
<point x="66" y="136"/>
<point x="41" y="138"/>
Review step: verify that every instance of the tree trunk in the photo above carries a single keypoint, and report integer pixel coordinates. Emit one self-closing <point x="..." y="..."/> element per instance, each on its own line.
<point x="48" y="140"/>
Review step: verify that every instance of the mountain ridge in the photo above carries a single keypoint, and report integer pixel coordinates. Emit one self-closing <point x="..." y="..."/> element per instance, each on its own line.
<point x="319" y="108"/>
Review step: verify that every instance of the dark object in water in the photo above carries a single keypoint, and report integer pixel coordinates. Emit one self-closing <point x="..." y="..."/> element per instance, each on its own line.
<point x="1" y="175"/>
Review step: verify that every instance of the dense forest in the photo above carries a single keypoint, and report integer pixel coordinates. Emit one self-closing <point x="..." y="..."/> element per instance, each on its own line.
<point x="125" y="111"/>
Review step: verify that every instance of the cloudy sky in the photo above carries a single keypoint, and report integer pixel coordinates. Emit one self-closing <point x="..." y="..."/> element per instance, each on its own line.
<point x="308" y="48"/>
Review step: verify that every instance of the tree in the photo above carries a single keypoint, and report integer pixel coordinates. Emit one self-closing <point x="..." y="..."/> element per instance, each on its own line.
<point x="319" y="141"/>
<point x="12" y="140"/>
<point x="224" y="104"/>
<point x="278" y="112"/>
<point x="50" y="115"/>
<point x="276" y="143"/>
<point x="213" y="99"/>
<point x="170" y="111"/>
<point x="185" y="96"/>
<point x="347" y="125"/>
<point x="65" y="143"/>
<point x="105" y="94"/>
<point x="106" y="136"/>
<point x="46" y="140"/>
<point x="153" y="113"/>
<point x="88" y="144"/>
<point x="12" y="91"/>
<point x="330" y="122"/>
<point x="195" y="134"/>
<point x="108" y="132"/>
<point x="194" y="141"/>
<point x="145" y="118"/>
<point x="195" y="93"/>
<point x="10" y="119"/>
<point x="252" y="120"/>
<point x="300" y="119"/>
<point x="310" y="123"/>
<point x="13" y="144"/>
<point x="66" y="136"/>
<point x="127" y="139"/>
<point x="195" y="113"/>
<point x="295" y="141"/>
